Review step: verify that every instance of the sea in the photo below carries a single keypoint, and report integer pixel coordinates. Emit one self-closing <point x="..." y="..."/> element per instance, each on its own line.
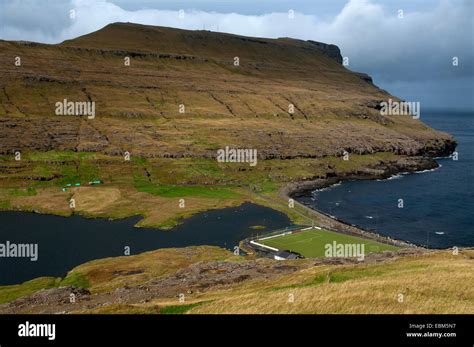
<point x="429" y="208"/>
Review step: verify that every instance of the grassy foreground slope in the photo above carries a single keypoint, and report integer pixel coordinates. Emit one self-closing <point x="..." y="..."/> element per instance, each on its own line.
<point x="219" y="282"/>
<point x="431" y="283"/>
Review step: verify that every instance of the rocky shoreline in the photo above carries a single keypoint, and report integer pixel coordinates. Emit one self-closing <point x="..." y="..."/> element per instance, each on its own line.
<point x="382" y="170"/>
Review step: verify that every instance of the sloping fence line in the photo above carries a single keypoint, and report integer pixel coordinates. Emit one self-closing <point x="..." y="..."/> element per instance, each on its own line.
<point x="274" y="233"/>
<point x="264" y="246"/>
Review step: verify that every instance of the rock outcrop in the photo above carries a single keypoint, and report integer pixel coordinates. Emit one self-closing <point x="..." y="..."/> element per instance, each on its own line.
<point x="185" y="93"/>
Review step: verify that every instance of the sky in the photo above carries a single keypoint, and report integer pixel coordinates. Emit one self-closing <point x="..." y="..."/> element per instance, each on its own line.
<point x="407" y="46"/>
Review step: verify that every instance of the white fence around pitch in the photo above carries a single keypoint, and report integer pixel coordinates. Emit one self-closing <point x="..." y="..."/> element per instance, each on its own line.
<point x="309" y="228"/>
<point x="279" y="235"/>
<point x="264" y="246"/>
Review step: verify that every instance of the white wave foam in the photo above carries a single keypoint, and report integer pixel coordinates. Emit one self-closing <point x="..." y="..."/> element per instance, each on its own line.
<point x="328" y="187"/>
<point x="394" y="177"/>
<point x="429" y="170"/>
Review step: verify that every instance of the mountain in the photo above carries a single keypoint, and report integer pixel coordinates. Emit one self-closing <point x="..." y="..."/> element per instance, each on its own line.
<point x="180" y="100"/>
<point x="138" y="106"/>
<point x="198" y="44"/>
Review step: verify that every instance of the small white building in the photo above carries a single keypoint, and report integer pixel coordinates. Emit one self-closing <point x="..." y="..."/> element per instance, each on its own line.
<point x="286" y="255"/>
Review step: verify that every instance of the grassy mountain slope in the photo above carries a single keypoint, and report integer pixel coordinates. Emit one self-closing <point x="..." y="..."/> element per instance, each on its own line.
<point x="247" y="106"/>
<point x="137" y="110"/>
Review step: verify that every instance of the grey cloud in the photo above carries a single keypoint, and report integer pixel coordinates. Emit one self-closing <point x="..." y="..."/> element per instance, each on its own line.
<point x="416" y="50"/>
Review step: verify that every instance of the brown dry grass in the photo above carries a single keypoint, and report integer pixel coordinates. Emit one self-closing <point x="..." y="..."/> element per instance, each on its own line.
<point x="104" y="274"/>
<point x="434" y="283"/>
<point x="120" y="202"/>
<point x="47" y="200"/>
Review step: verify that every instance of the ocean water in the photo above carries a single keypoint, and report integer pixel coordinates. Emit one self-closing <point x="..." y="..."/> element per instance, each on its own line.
<point x="438" y="206"/>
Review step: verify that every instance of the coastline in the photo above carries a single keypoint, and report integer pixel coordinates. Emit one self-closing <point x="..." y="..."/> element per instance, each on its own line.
<point x="380" y="171"/>
<point x="383" y="171"/>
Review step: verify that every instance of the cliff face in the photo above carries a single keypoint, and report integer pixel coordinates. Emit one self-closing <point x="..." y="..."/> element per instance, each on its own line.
<point x="188" y="93"/>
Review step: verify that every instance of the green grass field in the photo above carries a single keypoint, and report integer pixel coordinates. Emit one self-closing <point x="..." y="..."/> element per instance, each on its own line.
<point x="311" y="243"/>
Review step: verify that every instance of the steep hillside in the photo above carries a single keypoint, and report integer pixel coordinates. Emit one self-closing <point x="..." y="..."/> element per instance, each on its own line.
<point x="180" y="100"/>
<point x="138" y="106"/>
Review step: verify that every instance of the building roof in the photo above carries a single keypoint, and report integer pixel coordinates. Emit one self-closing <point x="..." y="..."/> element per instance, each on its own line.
<point x="287" y="255"/>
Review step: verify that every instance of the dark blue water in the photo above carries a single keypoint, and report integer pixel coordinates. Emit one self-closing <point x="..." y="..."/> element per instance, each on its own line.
<point x="65" y="242"/>
<point x="438" y="205"/>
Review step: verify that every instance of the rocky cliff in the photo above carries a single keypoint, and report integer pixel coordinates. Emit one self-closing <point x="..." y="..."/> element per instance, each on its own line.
<point x="188" y="93"/>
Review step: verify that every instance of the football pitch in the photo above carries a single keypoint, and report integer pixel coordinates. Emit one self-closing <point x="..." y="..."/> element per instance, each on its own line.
<point x="311" y="243"/>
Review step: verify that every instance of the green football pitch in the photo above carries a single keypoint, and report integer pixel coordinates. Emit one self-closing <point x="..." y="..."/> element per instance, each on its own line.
<point x="311" y="243"/>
